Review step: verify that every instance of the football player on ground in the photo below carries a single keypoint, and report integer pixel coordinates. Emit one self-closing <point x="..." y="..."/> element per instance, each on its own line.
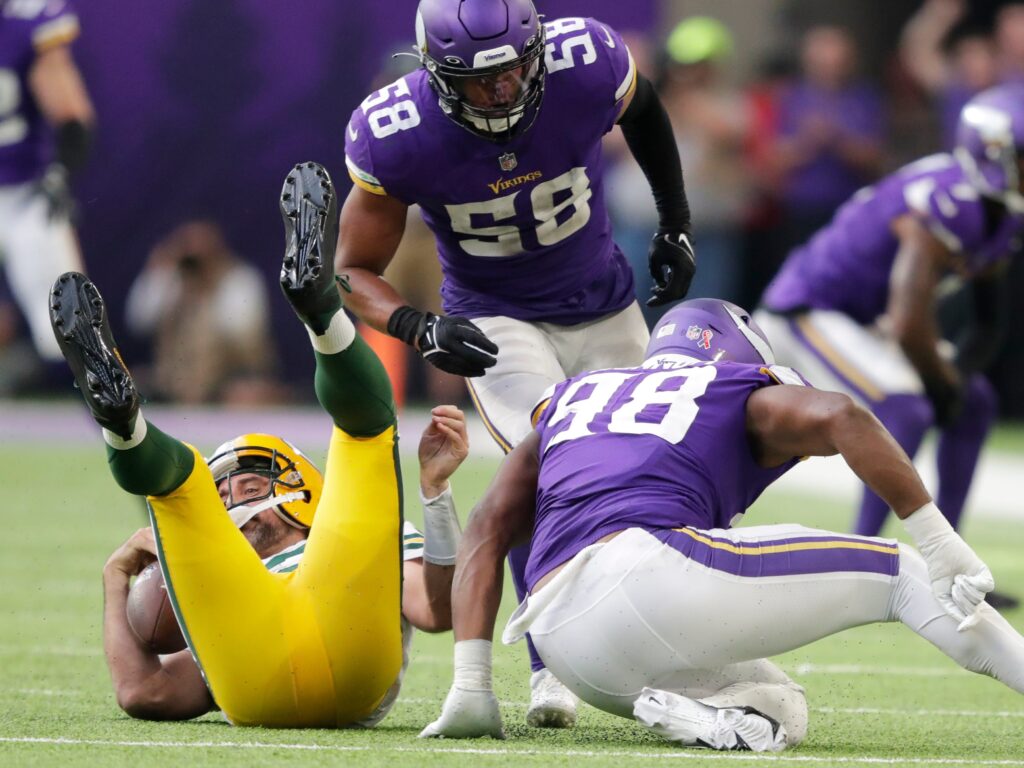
<point x="498" y="139"/>
<point x="46" y="122"/>
<point x="292" y="602"/>
<point x="645" y="601"/>
<point x="854" y="308"/>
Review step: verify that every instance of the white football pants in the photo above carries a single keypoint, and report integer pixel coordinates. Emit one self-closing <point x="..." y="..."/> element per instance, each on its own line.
<point x="696" y="612"/>
<point x="534" y="356"/>
<point x="35" y="251"/>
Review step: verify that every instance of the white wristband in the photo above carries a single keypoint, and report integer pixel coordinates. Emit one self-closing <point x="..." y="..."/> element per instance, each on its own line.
<point x="441" y="529"/>
<point x="926" y="523"/>
<point x="473" y="665"/>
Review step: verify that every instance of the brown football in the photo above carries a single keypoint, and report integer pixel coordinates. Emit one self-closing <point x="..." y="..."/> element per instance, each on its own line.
<point x="150" y="614"/>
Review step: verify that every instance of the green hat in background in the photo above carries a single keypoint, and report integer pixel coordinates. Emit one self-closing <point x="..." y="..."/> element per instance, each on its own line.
<point x="698" y="38"/>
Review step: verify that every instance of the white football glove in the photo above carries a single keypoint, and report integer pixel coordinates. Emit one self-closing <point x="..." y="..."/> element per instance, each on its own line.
<point x="959" y="577"/>
<point x="471" y="709"/>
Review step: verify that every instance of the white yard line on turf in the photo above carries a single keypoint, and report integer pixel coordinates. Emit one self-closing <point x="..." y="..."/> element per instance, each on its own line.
<point x="497" y="751"/>
<point x="868" y="669"/>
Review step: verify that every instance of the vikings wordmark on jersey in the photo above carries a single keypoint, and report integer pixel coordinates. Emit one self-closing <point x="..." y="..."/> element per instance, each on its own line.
<point x="521" y="225"/>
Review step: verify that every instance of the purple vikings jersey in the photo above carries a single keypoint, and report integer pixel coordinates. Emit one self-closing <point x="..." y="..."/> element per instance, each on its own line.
<point x="846" y="265"/>
<point x="657" y="447"/>
<point x="521" y="226"/>
<point x="27" y="27"/>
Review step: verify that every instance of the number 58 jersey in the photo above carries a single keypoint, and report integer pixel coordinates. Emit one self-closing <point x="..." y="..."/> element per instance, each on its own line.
<point x="521" y="226"/>
<point x="657" y="447"/>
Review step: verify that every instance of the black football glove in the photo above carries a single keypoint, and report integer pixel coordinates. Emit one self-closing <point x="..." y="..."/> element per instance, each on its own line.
<point x="672" y="264"/>
<point x="55" y="188"/>
<point x="947" y="399"/>
<point x="452" y="344"/>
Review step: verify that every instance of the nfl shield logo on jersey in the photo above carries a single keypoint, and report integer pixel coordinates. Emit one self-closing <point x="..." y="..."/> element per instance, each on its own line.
<point x="508" y="161"/>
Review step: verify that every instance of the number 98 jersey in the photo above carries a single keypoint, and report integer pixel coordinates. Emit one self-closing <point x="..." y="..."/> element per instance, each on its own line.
<point x="657" y="447"/>
<point x="27" y="28"/>
<point x="521" y="226"/>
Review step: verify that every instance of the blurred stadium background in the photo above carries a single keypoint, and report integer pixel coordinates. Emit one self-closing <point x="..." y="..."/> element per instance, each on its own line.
<point x="202" y="106"/>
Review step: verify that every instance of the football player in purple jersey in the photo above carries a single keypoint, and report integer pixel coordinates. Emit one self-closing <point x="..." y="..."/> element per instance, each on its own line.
<point x="497" y="139"/>
<point x="855" y="307"/>
<point x="46" y="122"/>
<point x="645" y="601"/>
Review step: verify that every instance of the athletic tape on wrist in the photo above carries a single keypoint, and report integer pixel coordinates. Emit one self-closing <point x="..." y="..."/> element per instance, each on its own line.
<point x="926" y="523"/>
<point x="473" y="665"/>
<point x="441" y="529"/>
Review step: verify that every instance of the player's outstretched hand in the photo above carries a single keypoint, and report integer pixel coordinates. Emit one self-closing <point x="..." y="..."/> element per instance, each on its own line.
<point x="672" y="263"/>
<point x="467" y="714"/>
<point x="959" y="578"/>
<point x="55" y="188"/>
<point x="444" y="445"/>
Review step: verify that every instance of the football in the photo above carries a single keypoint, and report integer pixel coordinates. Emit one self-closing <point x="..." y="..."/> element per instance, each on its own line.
<point x="150" y="614"/>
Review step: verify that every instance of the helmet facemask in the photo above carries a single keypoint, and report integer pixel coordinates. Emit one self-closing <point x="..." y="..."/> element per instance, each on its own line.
<point x="286" y="485"/>
<point x="495" y="96"/>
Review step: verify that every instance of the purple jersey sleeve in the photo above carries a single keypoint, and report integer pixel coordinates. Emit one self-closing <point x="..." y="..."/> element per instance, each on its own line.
<point x="602" y="58"/>
<point x="54" y="23"/>
<point x="952" y="211"/>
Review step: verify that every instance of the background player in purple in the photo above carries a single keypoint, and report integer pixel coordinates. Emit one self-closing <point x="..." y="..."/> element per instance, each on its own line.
<point x="498" y="139"/>
<point x="855" y="307"/>
<point x="645" y="602"/>
<point x="46" y="121"/>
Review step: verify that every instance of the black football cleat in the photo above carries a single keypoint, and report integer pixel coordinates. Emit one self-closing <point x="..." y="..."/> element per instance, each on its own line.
<point x="310" y="211"/>
<point x="79" y="320"/>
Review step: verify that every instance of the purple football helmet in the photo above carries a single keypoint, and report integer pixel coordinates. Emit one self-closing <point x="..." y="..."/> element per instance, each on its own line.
<point x="990" y="143"/>
<point x="485" y="59"/>
<point x="713" y="330"/>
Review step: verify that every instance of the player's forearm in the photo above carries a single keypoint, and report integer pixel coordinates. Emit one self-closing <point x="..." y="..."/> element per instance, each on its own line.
<point x="877" y="459"/>
<point x="373" y="300"/>
<point x="651" y="140"/>
<point x="438" y="582"/>
<point x="130" y="664"/>
<point x="477" y="586"/>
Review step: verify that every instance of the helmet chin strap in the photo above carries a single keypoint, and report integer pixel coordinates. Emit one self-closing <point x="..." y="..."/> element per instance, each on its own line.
<point x="241" y="514"/>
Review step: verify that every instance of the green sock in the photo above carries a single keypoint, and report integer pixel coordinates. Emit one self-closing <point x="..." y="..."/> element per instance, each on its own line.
<point x="154" y="467"/>
<point x="355" y="390"/>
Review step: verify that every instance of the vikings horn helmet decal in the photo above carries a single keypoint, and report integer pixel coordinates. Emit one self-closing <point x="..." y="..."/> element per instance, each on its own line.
<point x="712" y="330"/>
<point x="295" y="483"/>
<point x="485" y="59"/>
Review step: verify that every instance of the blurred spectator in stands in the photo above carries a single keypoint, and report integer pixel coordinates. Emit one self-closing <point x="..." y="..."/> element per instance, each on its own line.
<point x="1009" y="34"/>
<point x="711" y="122"/>
<point x="830" y="133"/>
<point x="948" y="59"/>
<point x="207" y="313"/>
<point x="764" y="249"/>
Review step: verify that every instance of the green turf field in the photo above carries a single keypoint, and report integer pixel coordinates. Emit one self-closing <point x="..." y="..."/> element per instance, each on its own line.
<point x="879" y="695"/>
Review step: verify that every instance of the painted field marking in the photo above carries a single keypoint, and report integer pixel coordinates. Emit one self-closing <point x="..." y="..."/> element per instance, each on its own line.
<point x="680" y="755"/>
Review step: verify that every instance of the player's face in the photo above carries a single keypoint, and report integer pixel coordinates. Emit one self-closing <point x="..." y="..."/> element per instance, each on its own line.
<point x="266" y="532"/>
<point x="243" y="488"/>
<point x="492" y="91"/>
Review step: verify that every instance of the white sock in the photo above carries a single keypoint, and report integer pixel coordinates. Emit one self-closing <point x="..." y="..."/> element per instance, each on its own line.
<point x="337" y="338"/>
<point x="119" y="443"/>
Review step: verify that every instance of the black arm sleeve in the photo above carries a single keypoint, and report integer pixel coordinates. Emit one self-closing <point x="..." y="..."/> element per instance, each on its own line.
<point x="74" y="139"/>
<point x="978" y="345"/>
<point x="649" y="136"/>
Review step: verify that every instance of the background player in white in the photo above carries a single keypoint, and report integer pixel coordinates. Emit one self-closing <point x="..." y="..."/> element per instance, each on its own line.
<point x="46" y="124"/>
<point x="498" y="139"/>
<point x="645" y="602"/>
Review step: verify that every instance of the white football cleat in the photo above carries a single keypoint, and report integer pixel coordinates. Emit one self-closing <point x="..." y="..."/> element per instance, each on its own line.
<point x="693" y="724"/>
<point x="552" y="705"/>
